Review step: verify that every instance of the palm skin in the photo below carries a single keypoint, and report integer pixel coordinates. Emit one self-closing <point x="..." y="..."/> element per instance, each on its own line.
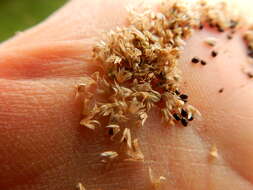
<point x="42" y="145"/>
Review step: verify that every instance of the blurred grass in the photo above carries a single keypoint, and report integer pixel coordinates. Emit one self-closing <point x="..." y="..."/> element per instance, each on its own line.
<point x="17" y="15"/>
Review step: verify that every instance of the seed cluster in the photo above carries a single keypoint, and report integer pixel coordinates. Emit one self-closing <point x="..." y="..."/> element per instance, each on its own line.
<point x="196" y="60"/>
<point x="139" y="71"/>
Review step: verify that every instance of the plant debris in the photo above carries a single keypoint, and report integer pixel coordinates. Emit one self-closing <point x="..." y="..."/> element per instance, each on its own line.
<point x="210" y="41"/>
<point x="80" y="186"/>
<point x="213" y="152"/>
<point x="156" y="182"/>
<point x="110" y="155"/>
<point x="135" y="153"/>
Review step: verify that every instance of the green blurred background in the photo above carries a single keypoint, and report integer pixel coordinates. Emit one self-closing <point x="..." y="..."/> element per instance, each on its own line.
<point x="17" y="15"/>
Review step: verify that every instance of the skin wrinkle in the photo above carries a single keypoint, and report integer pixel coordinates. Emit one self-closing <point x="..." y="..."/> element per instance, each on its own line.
<point x="35" y="62"/>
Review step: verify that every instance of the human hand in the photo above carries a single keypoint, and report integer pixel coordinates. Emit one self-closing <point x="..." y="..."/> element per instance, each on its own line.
<point x="44" y="147"/>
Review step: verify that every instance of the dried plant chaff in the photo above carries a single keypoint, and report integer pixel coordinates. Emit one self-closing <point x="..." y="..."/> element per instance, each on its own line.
<point x="211" y="41"/>
<point x="126" y="137"/>
<point x="80" y="186"/>
<point x="115" y="130"/>
<point x="135" y="154"/>
<point x="214" y="152"/>
<point x="91" y="124"/>
<point x="155" y="182"/>
<point x="109" y="154"/>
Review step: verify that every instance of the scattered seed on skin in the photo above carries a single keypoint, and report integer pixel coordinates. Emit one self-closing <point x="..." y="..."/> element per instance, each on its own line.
<point x="210" y="41"/>
<point x="140" y="69"/>
<point x="221" y="90"/>
<point x="214" y="53"/>
<point x="203" y="62"/>
<point x="80" y="186"/>
<point x="195" y="60"/>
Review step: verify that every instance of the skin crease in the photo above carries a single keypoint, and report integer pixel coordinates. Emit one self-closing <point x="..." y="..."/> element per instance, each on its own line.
<point x="42" y="146"/>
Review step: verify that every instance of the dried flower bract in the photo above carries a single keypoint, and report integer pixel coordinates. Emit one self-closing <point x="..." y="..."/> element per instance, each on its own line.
<point x="80" y="186"/>
<point x="155" y="182"/>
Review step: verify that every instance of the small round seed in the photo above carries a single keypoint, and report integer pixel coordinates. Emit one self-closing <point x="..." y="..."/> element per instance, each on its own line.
<point x="195" y="60"/>
<point x="203" y="62"/>
<point x="214" y="53"/>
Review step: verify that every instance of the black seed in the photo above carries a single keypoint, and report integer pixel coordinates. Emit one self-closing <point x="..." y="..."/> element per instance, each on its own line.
<point x="110" y="131"/>
<point x="176" y="117"/>
<point x="201" y="26"/>
<point x="195" y="60"/>
<point x="191" y="118"/>
<point x="184" y="122"/>
<point x="177" y="92"/>
<point x="214" y="53"/>
<point x="203" y="62"/>
<point x="183" y="96"/>
<point x="221" y="90"/>
<point x="184" y="113"/>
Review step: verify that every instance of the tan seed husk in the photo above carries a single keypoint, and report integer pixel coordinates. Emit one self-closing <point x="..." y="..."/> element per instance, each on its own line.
<point x="155" y="182"/>
<point x="214" y="152"/>
<point x="80" y="186"/>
